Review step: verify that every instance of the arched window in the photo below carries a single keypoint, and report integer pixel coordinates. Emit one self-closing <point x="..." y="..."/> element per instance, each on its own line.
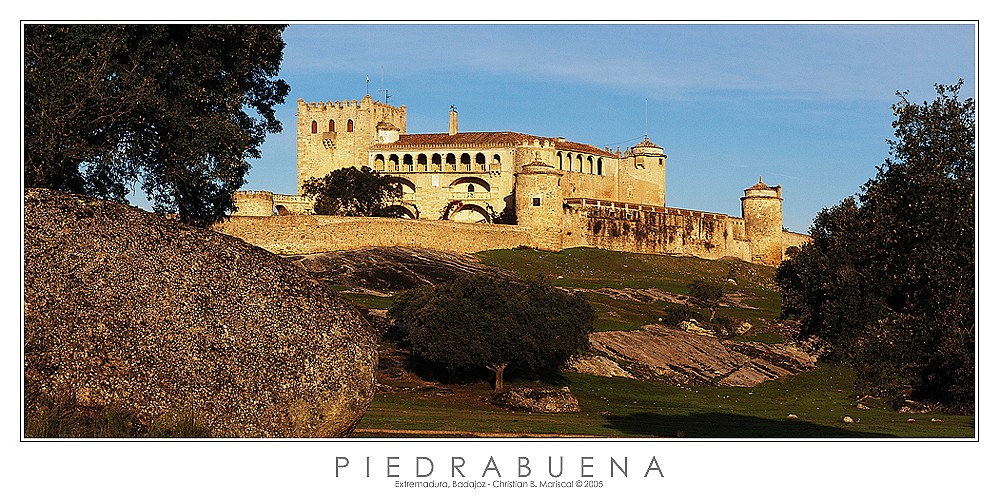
<point x="480" y="162"/>
<point x="466" y="162"/>
<point x="350" y="125"/>
<point x="599" y="166"/>
<point x="569" y="162"/>
<point x="579" y="162"/>
<point x="449" y="160"/>
<point x="393" y="162"/>
<point x="422" y="162"/>
<point x="496" y="162"/>
<point x="436" y="162"/>
<point x="590" y="165"/>
<point x="315" y="127"/>
<point x="408" y="162"/>
<point x="559" y="155"/>
<point x="472" y="187"/>
<point x="332" y="128"/>
<point x="379" y="162"/>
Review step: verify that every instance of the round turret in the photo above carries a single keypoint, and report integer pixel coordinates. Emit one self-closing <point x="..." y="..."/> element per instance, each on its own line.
<point x="538" y="197"/>
<point x="762" y="217"/>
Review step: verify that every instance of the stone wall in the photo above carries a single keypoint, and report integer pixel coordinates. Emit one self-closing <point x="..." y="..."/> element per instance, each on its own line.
<point x="304" y="234"/>
<point x="649" y="229"/>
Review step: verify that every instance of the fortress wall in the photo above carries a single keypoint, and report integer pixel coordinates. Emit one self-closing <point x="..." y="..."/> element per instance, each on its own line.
<point x="671" y="231"/>
<point x="793" y="239"/>
<point x="303" y="234"/>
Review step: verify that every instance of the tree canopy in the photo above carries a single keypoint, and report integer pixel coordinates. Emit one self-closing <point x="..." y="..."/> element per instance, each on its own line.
<point x="706" y="294"/>
<point x="176" y="108"/>
<point x="483" y="321"/>
<point x="889" y="279"/>
<point x="353" y="192"/>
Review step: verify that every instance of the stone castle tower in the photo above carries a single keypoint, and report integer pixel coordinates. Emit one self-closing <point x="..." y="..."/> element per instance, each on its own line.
<point x="647" y="174"/>
<point x="761" y="206"/>
<point x="339" y="133"/>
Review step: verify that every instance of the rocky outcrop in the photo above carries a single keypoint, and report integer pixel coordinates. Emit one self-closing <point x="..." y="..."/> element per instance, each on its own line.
<point x="127" y="309"/>
<point x="660" y="352"/>
<point x="537" y="400"/>
<point x="391" y="270"/>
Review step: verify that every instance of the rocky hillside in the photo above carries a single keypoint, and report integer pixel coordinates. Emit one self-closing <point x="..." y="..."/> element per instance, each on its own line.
<point x="674" y="355"/>
<point x="390" y="270"/>
<point x="655" y="351"/>
<point x="127" y="309"/>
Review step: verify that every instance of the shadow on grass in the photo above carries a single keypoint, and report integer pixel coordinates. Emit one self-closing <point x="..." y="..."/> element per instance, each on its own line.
<point x="721" y="425"/>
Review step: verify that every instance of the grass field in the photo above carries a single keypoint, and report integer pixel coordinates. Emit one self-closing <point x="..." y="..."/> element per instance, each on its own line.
<point x="615" y="407"/>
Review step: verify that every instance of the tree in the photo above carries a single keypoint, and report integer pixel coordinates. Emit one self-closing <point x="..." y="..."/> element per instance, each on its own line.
<point x="706" y="295"/>
<point x="353" y="192"/>
<point x="177" y="108"/>
<point x="889" y="280"/>
<point x="482" y="321"/>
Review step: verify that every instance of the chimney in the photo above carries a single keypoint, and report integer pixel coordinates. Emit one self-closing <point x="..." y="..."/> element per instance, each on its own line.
<point x="453" y="122"/>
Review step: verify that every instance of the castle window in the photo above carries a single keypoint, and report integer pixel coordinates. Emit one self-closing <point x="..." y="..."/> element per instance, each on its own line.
<point x="569" y="162"/>
<point x="408" y="162"/>
<point x="422" y="162"/>
<point x="350" y="125"/>
<point x="379" y="163"/>
<point x="315" y="127"/>
<point x="579" y="162"/>
<point x="393" y="162"/>
<point x="436" y="162"/>
<point x="466" y="162"/>
<point x="450" y="161"/>
<point x="472" y="188"/>
<point x="590" y="165"/>
<point x="480" y="162"/>
<point x="331" y="128"/>
<point x="599" y="170"/>
<point x="496" y="161"/>
<point x="536" y="201"/>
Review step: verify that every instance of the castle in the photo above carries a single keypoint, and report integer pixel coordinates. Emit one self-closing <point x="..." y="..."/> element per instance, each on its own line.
<point x="563" y="193"/>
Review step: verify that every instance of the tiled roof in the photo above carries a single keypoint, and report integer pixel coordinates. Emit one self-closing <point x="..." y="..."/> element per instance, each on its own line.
<point x="487" y="138"/>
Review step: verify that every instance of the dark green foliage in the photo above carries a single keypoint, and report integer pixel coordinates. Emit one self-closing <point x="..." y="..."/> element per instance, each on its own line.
<point x="889" y="280"/>
<point x="353" y="192"/>
<point x="107" y="107"/>
<point x="477" y="321"/>
<point x="706" y="294"/>
<point x="675" y="313"/>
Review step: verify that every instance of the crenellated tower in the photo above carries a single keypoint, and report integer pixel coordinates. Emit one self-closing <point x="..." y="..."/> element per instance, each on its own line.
<point x="335" y="135"/>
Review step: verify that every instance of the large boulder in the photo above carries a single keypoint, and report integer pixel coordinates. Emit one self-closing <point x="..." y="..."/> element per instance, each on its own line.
<point x="537" y="400"/>
<point x="129" y="310"/>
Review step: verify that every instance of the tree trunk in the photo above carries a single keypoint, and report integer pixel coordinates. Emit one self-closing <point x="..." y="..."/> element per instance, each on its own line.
<point x="498" y="369"/>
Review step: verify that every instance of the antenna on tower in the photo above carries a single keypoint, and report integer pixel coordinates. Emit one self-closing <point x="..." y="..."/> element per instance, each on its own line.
<point x="383" y="90"/>
<point x="647" y="118"/>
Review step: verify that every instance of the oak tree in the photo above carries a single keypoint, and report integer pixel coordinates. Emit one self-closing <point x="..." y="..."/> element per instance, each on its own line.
<point x="353" y="192"/>
<point x="175" y="108"/>
<point x="482" y="321"/>
<point x="889" y="279"/>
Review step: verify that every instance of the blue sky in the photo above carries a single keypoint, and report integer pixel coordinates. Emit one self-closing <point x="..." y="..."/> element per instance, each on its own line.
<point x="806" y="106"/>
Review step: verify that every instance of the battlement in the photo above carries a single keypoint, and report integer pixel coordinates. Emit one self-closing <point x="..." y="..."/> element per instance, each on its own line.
<point x="617" y="205"/>
<point x="365" y="104"/>
<point x="253" y="194"/>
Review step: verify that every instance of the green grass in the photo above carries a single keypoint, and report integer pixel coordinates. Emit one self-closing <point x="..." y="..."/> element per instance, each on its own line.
<point x="615" y="407"/>
<point x="592" y="269"/>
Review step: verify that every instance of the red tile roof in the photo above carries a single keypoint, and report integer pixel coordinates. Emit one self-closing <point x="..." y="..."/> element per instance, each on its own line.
<point x="488" y="138"/>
